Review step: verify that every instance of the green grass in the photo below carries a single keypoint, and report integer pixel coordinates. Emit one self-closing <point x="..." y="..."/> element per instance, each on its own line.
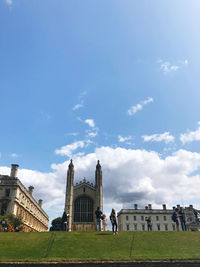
<point x="63" y="246"/>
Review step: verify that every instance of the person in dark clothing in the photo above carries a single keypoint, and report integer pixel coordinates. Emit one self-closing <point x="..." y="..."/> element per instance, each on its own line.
<point x="149" y="225"/>
<point x="181" y="214"/>
<point x="98" y="214"/>
<point x="175" y="218"/>
<point x="113" y="219"/>
<point x="64" y="222"/>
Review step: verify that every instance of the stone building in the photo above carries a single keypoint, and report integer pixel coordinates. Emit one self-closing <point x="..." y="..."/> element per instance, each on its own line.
<point x="134" y="219"/>
<point x="17" y="200"/>
<point x="82" y="200"/>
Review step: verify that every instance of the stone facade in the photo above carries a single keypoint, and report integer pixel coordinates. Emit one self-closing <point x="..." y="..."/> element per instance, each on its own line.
<point x="17" y="200"/>
<point x="134" y="219"/>
<point x="82" y="200"/>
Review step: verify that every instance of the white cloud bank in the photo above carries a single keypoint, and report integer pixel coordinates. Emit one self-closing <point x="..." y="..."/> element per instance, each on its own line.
<point x="166" y="137"/>
<point x="133" y="109"/>
<point x="129" y="176"/>
<point x="190" y="136"/>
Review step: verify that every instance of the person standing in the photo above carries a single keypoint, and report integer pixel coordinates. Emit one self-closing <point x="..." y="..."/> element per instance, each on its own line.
<point x="175" y="218"/>
<point x="149" y="225"/>
<point x="181" y="214"/>
<point x="104" y="222"/>
<point x="98" y="214"/>
<point x="113" y="219"/>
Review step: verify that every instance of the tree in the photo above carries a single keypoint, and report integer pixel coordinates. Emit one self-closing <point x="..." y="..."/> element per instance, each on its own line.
<point x="12" y="222"/>
<point x="56" y="224"/>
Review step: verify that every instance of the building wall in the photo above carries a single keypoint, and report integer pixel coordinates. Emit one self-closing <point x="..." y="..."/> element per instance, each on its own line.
<point x="86" y="189"/>
<point x="20" y="202"/>
<point x="134" y="220"/>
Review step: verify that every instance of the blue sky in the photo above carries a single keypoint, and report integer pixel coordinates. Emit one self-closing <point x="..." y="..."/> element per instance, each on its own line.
<point x="81" y="79"/>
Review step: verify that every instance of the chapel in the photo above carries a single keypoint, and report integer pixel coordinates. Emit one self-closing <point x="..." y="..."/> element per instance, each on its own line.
<point x="82" y="200"/>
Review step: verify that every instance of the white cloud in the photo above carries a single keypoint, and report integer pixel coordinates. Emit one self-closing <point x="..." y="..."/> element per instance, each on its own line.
<point x="190" y="136"/>
<point x="167" y="66"/>
<point x="14" y="155"/>
<point x="124" y="139"/>
<point x="78" y="106"/>
<point x="92" y="134"/>
<point x="90" y="122"/>
<point x="9" y="2"/>
<point x="132" y="110"/>
<point x="81" y="99"/>
<point x="129" y="176"/>
<point x="166" y="137"/>
<point x="68" y="149"/>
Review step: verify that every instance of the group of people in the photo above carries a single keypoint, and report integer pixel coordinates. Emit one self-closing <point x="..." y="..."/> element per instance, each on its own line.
<point x="178" y="217"/>
<point x="100" y="217"/>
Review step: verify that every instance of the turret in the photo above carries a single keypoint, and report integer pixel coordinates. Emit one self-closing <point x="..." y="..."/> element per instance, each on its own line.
<point x="14" y="170"/>
<point x="69" y="194"/>
<point x="98" y="185"/>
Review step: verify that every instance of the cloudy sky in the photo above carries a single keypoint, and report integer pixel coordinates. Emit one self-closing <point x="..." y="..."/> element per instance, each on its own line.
<point x="116" y="81"/>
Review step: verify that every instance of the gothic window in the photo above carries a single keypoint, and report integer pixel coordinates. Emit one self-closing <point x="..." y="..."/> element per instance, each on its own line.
<point x="7" y="192"/>
<point x="83" y="210"/>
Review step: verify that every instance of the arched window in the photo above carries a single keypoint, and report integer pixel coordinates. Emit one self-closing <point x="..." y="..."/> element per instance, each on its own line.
<point x="83" y="209"/>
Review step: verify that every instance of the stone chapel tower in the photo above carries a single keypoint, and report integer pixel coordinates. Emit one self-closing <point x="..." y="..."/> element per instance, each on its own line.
<point x="82" y="200"/>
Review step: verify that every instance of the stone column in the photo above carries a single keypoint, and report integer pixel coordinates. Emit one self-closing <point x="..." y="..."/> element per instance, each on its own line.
<point x="69" y="195"/>
<point x="98" y="186"/>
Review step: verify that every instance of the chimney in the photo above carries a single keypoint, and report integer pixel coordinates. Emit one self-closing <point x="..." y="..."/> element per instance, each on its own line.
<point x="30" y="189"/>
<point x="135" y="206"/>
<point x="146" y="207"/>
<point x="164" y="207"/>
<point x="14" y="169"/>
<point x="40" y="202"/>
<point x="149" y="207"/>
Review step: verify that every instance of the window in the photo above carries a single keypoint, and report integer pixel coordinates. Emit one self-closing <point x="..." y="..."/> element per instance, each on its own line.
<point x="143" y="227"/>
<point x="127" y="217"/>
<point x="142" y="218"/>
<point x="134" y="218"/>
<point x="7" y="192"/>
<point x="127" y="227"/>
<point x="135" y="227"/>
<point x="164" y="218"/>
<point x="166" y="227"/>
<point x="158" y="227"/>
<point x="83" y="210"/>
<point x="157" y="218"/>
<point x="3" y="208"/>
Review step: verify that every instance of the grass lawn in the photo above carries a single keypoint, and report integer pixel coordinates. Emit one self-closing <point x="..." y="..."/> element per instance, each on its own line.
<point x="64" y="246"/>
